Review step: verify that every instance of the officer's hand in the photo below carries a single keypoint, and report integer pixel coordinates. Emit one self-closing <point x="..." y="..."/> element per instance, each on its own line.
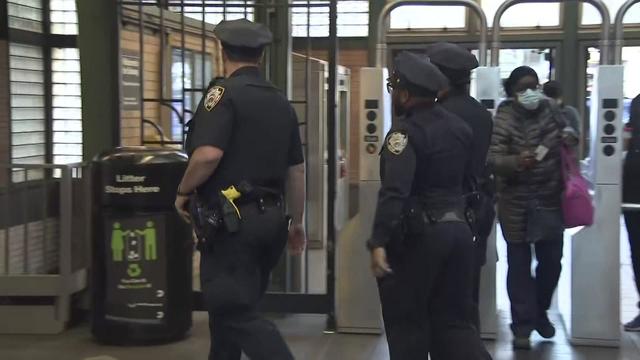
<point x="379" y="264"/>
<point x="182" y="206"/>
<point x="297" y="239"/>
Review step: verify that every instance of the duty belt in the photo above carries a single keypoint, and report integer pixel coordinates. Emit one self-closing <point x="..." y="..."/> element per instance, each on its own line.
<point x="266" y="200"/>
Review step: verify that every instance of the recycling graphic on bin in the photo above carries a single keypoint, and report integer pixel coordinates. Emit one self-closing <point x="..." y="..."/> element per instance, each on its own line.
<point x="136" y="284"/>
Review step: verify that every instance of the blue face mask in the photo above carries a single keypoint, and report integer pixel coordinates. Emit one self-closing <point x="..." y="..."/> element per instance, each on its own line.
<point x="530" y="99"/>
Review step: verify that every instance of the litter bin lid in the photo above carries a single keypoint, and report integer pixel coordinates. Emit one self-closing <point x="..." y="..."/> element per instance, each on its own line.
<point x="142" y="155"/>
<point x="138" y="177"/>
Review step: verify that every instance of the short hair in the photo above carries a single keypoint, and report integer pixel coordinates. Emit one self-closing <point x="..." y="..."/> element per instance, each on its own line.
<point x="415" y="90"/>
<point x="242" y="53"/>
<point x="552" y="89"/>
<point x="517" y="74"/>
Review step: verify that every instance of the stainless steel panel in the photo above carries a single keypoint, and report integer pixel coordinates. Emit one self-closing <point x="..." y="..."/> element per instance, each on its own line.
<point x="595" y="275"/>
<point x="488" y="301"/>
<point x="357" y="300"/>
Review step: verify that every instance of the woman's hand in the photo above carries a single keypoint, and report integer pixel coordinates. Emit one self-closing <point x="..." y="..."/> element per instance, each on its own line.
<point x="526" y="160"/>
<point x="569" y="137"/>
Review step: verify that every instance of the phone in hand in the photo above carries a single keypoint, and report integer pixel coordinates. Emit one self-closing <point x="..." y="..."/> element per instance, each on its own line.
<point x="541" y="152"/>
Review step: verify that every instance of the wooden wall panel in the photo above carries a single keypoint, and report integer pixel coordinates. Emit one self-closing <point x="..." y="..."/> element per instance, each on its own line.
<point x="130" y="120"/>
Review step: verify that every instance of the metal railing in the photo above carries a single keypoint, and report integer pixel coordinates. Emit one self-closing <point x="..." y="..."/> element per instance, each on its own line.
<point x="44" y="244"/>
<point x="619" y="27"/>
<point x="386" y="12"/>
<point x="598" y="4"/>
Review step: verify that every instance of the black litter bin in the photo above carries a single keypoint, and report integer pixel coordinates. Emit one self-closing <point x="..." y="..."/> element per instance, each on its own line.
<point x="142" y="264"/>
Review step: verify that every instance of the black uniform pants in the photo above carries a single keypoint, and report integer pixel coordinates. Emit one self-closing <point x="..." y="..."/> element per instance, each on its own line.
<point x="235" y="271"/>
<point x="426" y="301"/>
<point x="632" y="220"/>
<point x="531" y="297"/>
<point x="480" y="248"/>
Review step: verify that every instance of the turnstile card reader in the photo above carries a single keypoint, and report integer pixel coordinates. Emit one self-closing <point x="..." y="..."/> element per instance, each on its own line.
<point x="592" y="316"/>
<point x="606" y="125"/>
<point x="357" y="299"/>
<point x="375" y="120"/>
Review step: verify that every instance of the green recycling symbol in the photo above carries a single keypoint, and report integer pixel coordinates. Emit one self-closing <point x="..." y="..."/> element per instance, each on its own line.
<point x="134" y="270"/>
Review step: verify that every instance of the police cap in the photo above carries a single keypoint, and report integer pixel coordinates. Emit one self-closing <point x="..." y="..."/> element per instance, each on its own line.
<point x="420" y="72"/>
<point x="243" y="33"/>
<point x="452" y="56"/>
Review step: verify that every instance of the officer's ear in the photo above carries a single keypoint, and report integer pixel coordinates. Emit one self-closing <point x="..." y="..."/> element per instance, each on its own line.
<point x="225" y="61"/>
<point x="403" y="95"/>
<point x="443" y="93"/>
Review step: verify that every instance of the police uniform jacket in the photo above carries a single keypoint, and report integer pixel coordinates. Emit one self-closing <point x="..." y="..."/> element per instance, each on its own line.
<point x="480" y="121"/>
<point x="425" y="157"/>
<point x="254" y="125"/>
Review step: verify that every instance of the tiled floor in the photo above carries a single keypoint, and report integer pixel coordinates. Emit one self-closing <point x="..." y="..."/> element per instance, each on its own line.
<point x="305" y="336"/>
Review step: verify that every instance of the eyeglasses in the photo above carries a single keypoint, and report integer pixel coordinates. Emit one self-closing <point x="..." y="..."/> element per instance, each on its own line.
<point x="392" y="82"/>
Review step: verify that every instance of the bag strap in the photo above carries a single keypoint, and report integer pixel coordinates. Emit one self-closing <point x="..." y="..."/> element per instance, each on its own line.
<point x="569" y="162"/>
<point x="558" y="117"/>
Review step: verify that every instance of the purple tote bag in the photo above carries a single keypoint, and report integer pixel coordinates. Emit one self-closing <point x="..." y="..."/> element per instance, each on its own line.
<point x="577" y="205"/>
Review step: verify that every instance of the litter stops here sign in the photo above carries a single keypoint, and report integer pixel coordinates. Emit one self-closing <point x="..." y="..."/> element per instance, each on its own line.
<point x="136" y="269"/>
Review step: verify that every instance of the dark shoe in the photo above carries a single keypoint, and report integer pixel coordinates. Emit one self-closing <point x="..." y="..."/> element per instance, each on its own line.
<point x="633" y="325"/>
<point x="546" y="329"/>
<point x="521" y="343"/>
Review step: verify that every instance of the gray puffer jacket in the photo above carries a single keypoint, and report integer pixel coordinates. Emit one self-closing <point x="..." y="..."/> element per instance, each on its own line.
<point x="516" y="130"/>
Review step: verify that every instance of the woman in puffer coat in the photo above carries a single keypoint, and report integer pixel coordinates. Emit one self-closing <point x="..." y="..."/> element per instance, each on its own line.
<point x="525" y="154"/>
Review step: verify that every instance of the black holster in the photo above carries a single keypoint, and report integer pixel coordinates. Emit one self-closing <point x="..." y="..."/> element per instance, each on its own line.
<point x="206" y="222"/>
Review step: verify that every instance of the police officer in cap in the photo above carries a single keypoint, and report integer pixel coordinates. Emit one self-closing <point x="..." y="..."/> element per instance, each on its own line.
<point x="421" y="245"/>
<point x="245" y="150"/>
<point x="456" y="63"/>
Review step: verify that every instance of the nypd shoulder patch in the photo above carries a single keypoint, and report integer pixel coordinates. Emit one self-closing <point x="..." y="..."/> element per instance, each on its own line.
<point x="397" y="142"/>
<point x="213" y="97"/>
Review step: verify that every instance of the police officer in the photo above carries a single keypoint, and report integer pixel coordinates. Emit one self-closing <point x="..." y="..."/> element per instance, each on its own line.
<point x="244" y="134"/>
<point x="456" y="63"/>
<point x="421" y="245"/>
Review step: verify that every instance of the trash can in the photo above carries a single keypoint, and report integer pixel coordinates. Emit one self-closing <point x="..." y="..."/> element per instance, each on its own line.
<point x="142" y="250"/>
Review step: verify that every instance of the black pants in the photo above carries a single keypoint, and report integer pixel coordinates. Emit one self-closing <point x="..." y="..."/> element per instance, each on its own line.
<point x="477" y="272"/>
<point x="632" y="220"/>
<point x="480" y="249"/>
<point x="235" y="270"/>
<point x="531" y="297"/>
<point x="485" y="222"/>
<point x="426" y="301"/>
